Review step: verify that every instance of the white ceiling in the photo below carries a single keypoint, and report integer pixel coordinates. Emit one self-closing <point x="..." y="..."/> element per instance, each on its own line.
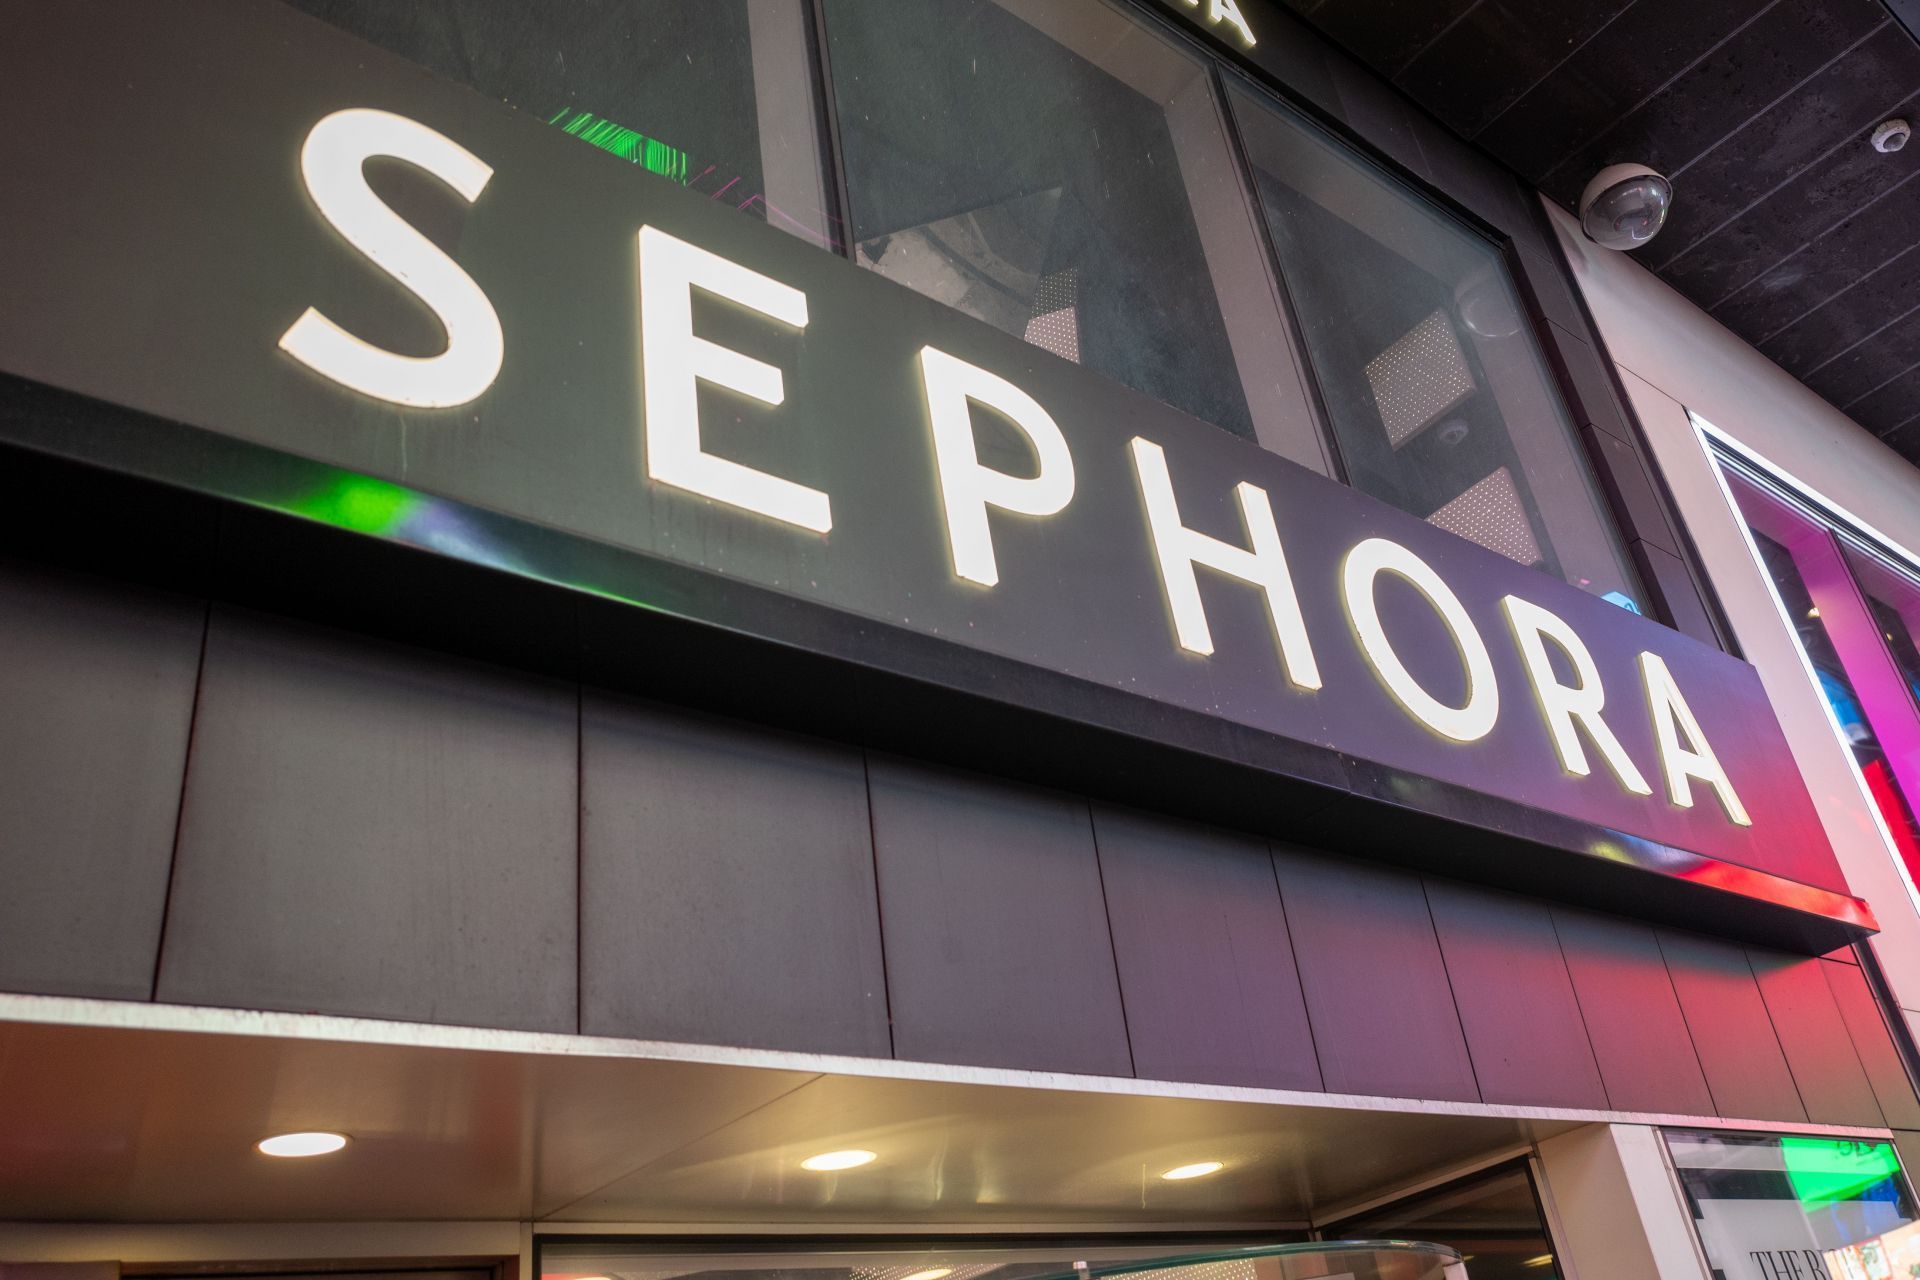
<point x="154" y="1121"/>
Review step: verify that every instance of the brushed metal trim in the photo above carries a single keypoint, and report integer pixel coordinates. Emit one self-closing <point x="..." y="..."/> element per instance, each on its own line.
<point x="129" y="1015"/>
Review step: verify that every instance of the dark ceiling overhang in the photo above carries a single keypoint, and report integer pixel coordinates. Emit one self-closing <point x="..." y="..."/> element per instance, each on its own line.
<point x="1787" y="226"/>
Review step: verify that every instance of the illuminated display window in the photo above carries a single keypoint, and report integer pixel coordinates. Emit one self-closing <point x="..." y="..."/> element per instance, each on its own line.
<point x="717" y="96"/>
<point x="1854" y="607"/>
<point x="1438" y="396"/>
<point x="1060" y="170"/>
<point x="1796" y="1208"/>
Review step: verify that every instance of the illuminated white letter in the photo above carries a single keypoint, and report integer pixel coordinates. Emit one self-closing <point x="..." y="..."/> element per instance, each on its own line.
<point x="1671" y="718"/>
<point x="1564" y="704"/>
<point x="330" y="162"/>
<point x="673" y="361"/>
<point x="1229" y="11"/>
<point x="1364" y="564"/>
<point x="966" y="487"/>
<point x="1178" y="549"/>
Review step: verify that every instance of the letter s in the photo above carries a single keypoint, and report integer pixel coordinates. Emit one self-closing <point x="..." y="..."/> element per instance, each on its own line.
<point x="330" y="162"/>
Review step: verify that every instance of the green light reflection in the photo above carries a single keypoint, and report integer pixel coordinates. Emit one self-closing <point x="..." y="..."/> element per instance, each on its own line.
<point x="650" y="154"/>
<point x="356" y="502"/>
<point x="1825" y="1172"/>
<point x="379" y="508"/>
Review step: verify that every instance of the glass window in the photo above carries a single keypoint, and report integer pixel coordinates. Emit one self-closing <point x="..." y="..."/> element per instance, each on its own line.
<point x="1894" y="600"/>
<point x="1059" y="170"/>
<point x="1493" y="1221"/>
<point x="1041" y="1261"/>
<point x="1850" y="612"/>
<point x="1793" y="1208"/>
<point x="935" y="1260"/>
<point x="1437" y="393"/>
<point x="717" y="96"/>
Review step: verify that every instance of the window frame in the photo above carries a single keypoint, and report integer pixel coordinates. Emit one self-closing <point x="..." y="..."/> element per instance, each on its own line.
<point x="1684" y="1198"/>
<point x="1679" y="595"/>
<point x="1728" y="457"/>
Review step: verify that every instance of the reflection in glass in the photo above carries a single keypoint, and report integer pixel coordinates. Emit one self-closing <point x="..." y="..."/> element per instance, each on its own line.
<point x="1793" y="548"/>
<point x="1060" y="171"/>
<point x="717" y="96"/>
<point x="1437" y="392"/>
<point x="1344" y="1260"/>
<point x="1894" y="599"/>
<point x="1765" y="1205"/>
<point x="1493" y="1220"/>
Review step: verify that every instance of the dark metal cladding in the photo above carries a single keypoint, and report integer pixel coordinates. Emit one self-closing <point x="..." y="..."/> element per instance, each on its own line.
<point x="162" y="280"/>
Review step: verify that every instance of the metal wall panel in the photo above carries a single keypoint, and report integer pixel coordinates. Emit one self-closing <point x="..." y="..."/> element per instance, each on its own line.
<point x="1206" y="965"/>
<point x="1872" y="1041"/>
<point x="375" y="830"/>
<point x="1906" y="1144"/>
<point x="1727" y="1019"/>
<point x="1632" y="1015"/>
<point x="998" y="952"/>
<point x="726" y="890"/>
<point x="1515" y="998"/>
<point x="1820" y="1053"/>
<point x="96" y="697"/>
<point x="1383" y="1015"/>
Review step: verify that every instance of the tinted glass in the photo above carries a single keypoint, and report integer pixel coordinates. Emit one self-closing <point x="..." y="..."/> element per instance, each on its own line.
<point x="1435" y="387"/>
<point x="1060" y="170"/>
<point x="1774" y="1208"/>
<point x="1361" y="1260"/>
<point x="718" y="96"/>
<point x="1894" y="599"/>
<point x="1797" y="553"/>
<point x="934" y="1260"/>
<point x="1492" y="1220"/>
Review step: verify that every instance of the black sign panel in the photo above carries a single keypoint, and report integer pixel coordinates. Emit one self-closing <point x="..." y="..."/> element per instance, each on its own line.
<point x="173" y="269"/>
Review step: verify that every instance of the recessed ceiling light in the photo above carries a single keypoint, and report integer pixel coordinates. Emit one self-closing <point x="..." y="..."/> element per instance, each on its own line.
<point x="931" y="1273"/>
<point x="1539" y="1261"/>
<point x="829" y="1161"/>
<point x="291" y="1146"/>
<point x="1200" y="1170"/>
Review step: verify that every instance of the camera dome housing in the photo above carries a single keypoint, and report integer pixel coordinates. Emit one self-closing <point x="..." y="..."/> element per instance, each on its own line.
<point x="1625" y="206"/>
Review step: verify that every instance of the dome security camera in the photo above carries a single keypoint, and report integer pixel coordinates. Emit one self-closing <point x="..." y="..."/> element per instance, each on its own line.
<point x="1625" y="206"/>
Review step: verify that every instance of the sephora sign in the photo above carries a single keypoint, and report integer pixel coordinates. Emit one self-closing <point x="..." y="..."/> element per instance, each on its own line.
<point x="330" y="255"/>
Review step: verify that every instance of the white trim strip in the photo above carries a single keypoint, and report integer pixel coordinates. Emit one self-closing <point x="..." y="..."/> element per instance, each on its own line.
<point x="128" y="1015"/>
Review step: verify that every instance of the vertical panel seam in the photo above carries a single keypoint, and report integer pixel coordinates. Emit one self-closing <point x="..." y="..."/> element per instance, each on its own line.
<point x="1767" y="1008"/>
<point x="180" y="804"/>
<point x="1892" y="1019"/>
<point x="1573" y="988"/>
<point x="1446" y="971"/>
<point x="879" y="908"/>
<point x="1113" y="951"/>
<point x="1299" y="980"/>
<point x="1846" y="1026"/>
<point x="1687" y="1022"/>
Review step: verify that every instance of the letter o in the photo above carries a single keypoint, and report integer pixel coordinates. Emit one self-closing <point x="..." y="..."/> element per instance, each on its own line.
<point x="1364" y="564"/>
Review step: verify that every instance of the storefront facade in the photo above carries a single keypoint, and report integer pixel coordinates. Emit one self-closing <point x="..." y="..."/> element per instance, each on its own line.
<point x="1096" y="668"/>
